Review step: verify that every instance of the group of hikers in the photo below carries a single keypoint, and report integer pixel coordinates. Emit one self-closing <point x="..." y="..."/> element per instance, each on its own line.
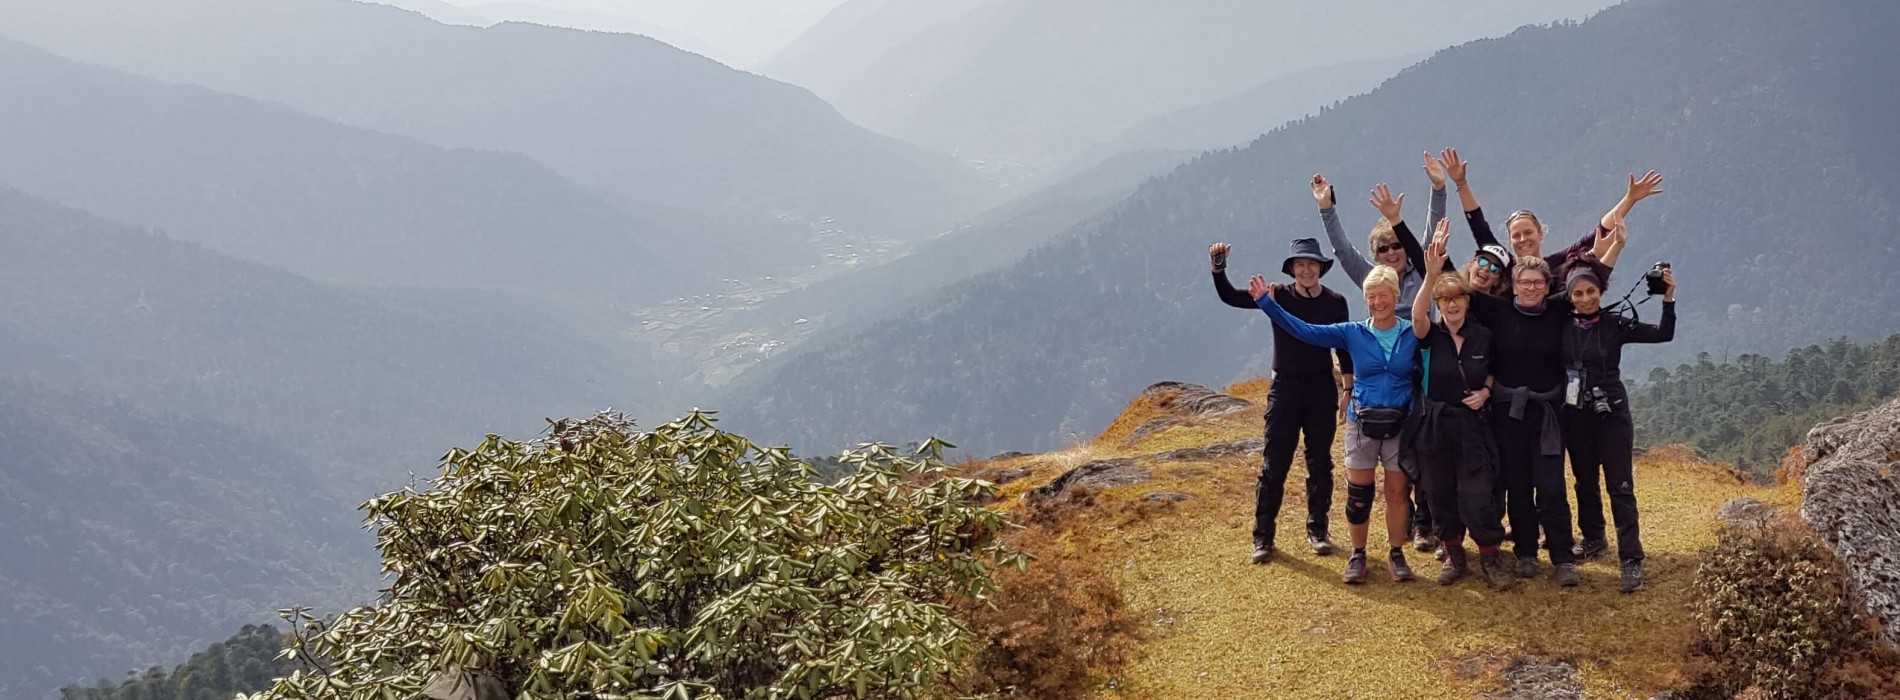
<point x="1470" y="415"/>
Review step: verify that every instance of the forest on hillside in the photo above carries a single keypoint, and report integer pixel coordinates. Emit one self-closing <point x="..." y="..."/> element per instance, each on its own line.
<point x="1751" y="409"/>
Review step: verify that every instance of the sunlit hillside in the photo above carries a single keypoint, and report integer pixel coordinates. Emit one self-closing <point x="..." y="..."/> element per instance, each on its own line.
<point x="1220" y="627"/>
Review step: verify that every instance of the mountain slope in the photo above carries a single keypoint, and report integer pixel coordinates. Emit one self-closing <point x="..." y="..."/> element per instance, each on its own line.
<point x="133" y="537"/>
<point x="1046" y="79"/>
<point x="756" y="160"/>
<point x="363" y="387"/>
<point x="576" y="18"/>
<point x="1754" y="124"/>
<point x="828" y="309"/>
<point x="1235" y="120"/>
<point x="262" y="182"/>
<point x="436" y="10"/>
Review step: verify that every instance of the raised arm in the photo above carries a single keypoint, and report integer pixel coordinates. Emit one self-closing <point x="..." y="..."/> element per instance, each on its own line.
<point x="1217" y="260"/>
<point x="1665" y="331"/>
<point x="1611" y="247"/>
<point x="1434" y="261"/>
<point x="1458" y="170"/>
<point x="1389" y="207"/>
<point x="1350" y="258"/>
<point x="1650" y="184"/>
<point x="1331" y="335"/>
<point x="1435" y="211"/>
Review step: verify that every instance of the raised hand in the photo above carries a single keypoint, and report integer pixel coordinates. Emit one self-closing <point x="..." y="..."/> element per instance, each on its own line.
<point x="1383" y="201"/>
<point x="1258" y="287"/>
<point x="1435" y="253"/>
<point x="1322" y="191"/>
<point x="1434" y="170"/>
<point x="1669" y="284"/>
<point x="1642" y="188"/>
<point x="1453" y="165"/>
<point x="1216" y="256"/>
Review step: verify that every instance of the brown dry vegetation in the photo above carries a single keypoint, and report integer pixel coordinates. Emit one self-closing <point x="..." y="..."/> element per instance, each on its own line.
<point x="1218" y="627"/>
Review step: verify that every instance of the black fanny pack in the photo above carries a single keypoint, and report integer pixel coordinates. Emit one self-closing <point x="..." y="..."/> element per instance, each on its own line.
<point x="1380" y="422"/>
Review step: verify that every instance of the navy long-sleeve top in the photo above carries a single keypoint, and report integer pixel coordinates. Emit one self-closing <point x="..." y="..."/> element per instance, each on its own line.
<point x="1294" y="359"/>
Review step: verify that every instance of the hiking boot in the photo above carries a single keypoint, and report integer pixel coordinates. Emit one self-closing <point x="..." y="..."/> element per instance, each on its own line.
<point x="1491" y="565"/>
<point x="1527" y="566"/>
<point x="1425" y="542"/>
<point x="1355" y="568"/>
<point x="1321" y="544"/>
<point x="1632" y="576"/>
<point x="1567" y="575"/>
<point x="1262" y="554"/>
<point x="1455" y="566"/>
<point x="1589" y="548"/>
<point x="1395" y="562"/>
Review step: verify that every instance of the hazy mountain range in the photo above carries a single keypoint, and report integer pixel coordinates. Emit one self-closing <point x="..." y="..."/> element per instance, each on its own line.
<point x="1034" y="81"/>
<point x="1758" y="113"/>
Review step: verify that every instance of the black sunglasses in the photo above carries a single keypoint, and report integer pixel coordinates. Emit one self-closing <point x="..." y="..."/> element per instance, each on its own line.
<point x="1382" y="250"/>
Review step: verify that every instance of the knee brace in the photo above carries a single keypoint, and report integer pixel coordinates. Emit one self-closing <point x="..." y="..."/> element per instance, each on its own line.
<point x="1359" y="503"/>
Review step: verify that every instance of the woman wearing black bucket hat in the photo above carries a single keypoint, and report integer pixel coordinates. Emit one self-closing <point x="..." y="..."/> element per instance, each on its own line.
<point x="1302" y="399"/>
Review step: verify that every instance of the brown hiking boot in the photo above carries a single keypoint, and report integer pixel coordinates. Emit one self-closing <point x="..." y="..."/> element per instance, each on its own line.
<point x="1491" y="564"/>
<point x="1455" y="566"/>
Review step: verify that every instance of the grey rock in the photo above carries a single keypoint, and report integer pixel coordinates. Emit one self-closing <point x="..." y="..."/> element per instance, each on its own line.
<point x="1539" y="678"/>
<point x="1101" y="473"/>
<point x="1195" y="400"/>
<point x="1849" y="497"/>
<point x="1742" y="510"/>
<point x="1151" y="427"/>
<point x="1166" y="497"/>
<point x="1214" y="451"/>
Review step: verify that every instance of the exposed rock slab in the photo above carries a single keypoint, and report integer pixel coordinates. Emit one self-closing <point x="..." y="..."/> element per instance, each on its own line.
<point x="1195" y="400"/>
<point x="1851" y="497"/>
<point x="1214" y="451"/>
<point x="1101" y="473"/>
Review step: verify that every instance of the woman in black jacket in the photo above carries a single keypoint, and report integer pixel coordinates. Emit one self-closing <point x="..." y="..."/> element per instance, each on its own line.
<point x="1459" y="458"/>
<point x="1598" y="432"/>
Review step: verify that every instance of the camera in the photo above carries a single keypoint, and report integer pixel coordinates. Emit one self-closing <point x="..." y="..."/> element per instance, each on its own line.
<point x="1654" y="278"/>
<point x="1599" y="400"/>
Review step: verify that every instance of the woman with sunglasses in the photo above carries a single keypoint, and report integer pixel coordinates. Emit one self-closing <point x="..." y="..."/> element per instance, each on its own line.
<point x="1527" y="232"/>
<point x="1527" y="388"/>
<point x="1394" y="247"/>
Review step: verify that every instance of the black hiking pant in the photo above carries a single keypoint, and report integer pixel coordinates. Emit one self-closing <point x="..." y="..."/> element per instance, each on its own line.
<point x="1602" y="451"/>
<point x="1531" y="484"/>
<point x="1458" y="473"/>
<point x="1297" y="406"/>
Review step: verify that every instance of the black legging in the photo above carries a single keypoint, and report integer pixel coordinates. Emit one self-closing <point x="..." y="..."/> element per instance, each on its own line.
<point x="1459" y="474"/>
<point x="1602" y="448"/>
<point x="1532" y="483"/>
<point x="1296" y="406"/>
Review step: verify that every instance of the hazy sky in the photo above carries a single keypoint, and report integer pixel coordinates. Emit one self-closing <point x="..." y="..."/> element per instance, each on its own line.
<point x="740" y="33"/>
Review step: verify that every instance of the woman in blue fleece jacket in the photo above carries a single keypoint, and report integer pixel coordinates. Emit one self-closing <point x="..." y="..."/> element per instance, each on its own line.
<point x="1383" y="350"/>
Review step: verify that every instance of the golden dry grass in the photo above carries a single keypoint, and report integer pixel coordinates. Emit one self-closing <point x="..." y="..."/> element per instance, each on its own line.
<point x="1222" y="628"/>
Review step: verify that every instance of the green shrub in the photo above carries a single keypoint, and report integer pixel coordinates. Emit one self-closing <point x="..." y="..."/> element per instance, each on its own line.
<point x="1775" y="619"/>
<point x="681" y="562"/>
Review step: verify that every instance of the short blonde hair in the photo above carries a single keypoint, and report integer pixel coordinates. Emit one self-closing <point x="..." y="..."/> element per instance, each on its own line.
<point x="1534" y="264"/>
<point x="1382" y="234"/>
<point x="1381" y="275"/>
<point x="1450" y="284"/>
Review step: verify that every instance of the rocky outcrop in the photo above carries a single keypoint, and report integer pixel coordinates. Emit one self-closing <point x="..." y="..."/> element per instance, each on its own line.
<point x="1851" y="496"/>
<point x="1101" y="473"/>
<point x="1194" y="400"/>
